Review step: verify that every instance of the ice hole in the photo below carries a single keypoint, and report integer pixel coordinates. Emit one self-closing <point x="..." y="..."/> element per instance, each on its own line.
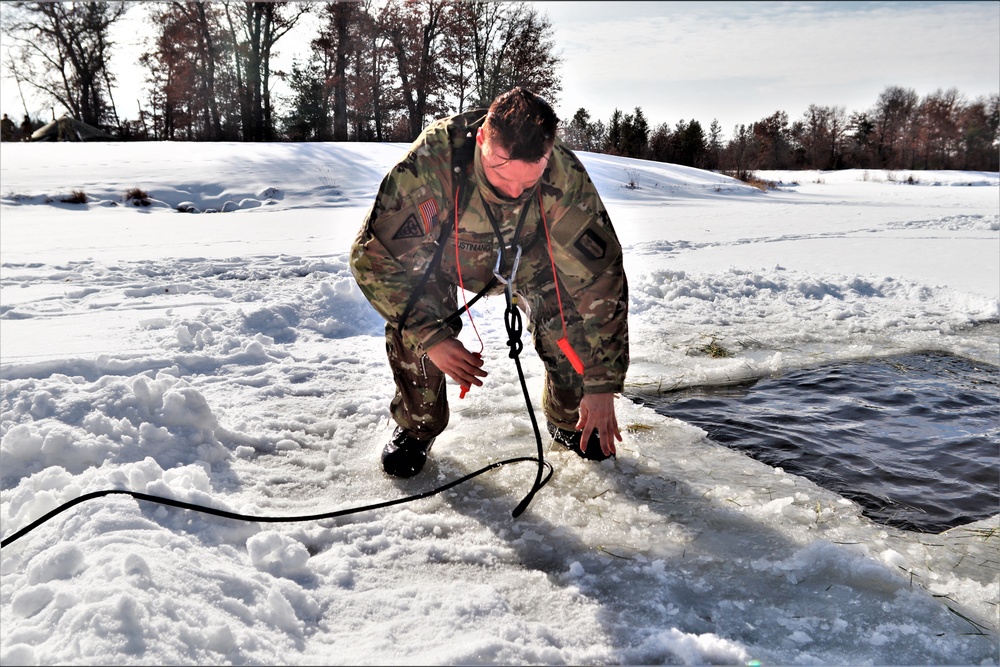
<point x="913" y="439"/>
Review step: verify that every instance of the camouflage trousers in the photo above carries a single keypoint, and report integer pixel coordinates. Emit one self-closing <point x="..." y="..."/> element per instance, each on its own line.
<point x="421" y="402"/>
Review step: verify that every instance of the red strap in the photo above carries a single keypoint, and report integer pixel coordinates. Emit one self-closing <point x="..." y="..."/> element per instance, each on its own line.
<point x="563" y="343"/>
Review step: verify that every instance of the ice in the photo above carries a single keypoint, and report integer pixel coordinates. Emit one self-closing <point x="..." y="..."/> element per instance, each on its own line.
<point x="230" y="360"/>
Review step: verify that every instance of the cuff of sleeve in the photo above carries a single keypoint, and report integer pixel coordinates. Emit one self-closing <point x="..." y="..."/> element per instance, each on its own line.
<point x="422" y="341"/>
<point x="603" y="386"/>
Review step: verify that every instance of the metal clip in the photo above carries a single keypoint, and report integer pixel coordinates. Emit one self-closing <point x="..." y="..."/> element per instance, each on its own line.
<point x="513" y="270"/>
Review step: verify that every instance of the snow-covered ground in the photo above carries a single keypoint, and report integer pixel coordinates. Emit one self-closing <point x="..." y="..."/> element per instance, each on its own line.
<point x="228" y="359"/>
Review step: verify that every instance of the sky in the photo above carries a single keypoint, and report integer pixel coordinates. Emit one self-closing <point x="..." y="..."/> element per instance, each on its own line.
<point x="229" y="359"/>
<point x="737" y="62"/>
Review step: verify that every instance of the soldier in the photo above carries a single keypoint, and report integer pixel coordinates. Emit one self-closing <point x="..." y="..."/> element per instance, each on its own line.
<point x="484" y="193"/>
<point x="26" y="129"/>
<point x="6" y="129"/>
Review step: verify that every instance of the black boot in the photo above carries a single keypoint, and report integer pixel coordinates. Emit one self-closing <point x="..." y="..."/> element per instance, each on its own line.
<point x="571" y="440"/>
<point x="405" y="454"/>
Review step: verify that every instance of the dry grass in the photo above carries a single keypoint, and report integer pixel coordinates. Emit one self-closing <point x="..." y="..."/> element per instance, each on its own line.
<point x="715" y="350"/>
<point x="137" y="196"/>
<point x="750" y="178"/>
<point x="75" y="197"/>
<point x="761" y="184"/>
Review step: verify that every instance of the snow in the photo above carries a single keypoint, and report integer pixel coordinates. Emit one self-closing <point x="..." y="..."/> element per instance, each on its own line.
<point x="228" y="359"/>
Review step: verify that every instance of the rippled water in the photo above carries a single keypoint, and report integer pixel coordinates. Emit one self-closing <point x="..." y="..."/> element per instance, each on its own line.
<point x="914" y="440"/>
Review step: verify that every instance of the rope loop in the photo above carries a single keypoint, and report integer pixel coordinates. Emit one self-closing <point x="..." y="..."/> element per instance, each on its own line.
<point x="513" y="323"/>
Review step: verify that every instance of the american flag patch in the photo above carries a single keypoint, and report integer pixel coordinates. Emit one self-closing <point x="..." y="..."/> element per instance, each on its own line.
<point x="429" y="212"/>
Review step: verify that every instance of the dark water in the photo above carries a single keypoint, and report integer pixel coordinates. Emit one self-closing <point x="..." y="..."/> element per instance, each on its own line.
<point x="914" y="440"/>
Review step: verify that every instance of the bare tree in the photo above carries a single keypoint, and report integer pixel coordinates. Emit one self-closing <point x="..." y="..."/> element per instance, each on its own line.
<point x="417" y="30"/>
<point x="255" y="28"/>
<point x="893" y="116"/>
<point x="740" y="153"/>
<point x="531" y="60"/>
<point x="210" y="54"/>
<point x="771" y="146"/>
<point x="507" y="44"/>
<point x="191" y="88"/>
<point x="344" y="30"/>
<point x="980" y="134"/>
<point x="343" y="16"/>
<point x="820" y="135"/>
<point x="63" y="51"/>
<point x="938" y="131"/>
<point x="376" y="99"/>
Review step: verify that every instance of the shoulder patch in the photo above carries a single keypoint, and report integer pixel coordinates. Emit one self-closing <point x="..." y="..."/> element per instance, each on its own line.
<point x="410" y="229"/>
<point x="591" y="245"/>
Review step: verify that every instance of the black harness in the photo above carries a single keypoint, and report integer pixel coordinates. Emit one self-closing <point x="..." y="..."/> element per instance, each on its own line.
<point x="463" y="153"/>
<point x="463" y="150"/>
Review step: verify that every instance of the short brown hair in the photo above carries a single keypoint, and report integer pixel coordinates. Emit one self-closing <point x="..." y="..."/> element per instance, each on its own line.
<point x="523" y="123"/>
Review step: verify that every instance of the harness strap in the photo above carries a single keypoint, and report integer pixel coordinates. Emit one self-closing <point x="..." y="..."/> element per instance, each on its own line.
<point x="515" y="240"/>
<point x="462" y="154"/>
<point x="419" y="289"/>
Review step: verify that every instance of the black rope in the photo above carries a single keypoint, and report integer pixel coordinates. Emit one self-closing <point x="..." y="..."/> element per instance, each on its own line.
<point x="267" y="519"/>
<point x="512" y="321"/>
<point x="514" y="325"/>
<point x="468" y="306"/>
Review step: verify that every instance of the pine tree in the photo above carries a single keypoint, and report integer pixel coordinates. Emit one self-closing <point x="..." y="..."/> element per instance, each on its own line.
<point x="714" y="153"/>
<point x="635" y="134"/>
<point x="576" y="133"/>
<point x="661" y="143"/>
<point x="691" y="146"/>
<point x="613" y="143"/>
<point x="309" y="118"/>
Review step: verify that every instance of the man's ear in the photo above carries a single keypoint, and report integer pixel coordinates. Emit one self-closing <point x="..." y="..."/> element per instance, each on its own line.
<point x="480" y="137"/>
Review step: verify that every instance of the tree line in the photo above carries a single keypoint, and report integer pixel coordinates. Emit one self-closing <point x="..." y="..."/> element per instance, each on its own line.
<point x="379" y="70"/>
<point x="942" y="130"/>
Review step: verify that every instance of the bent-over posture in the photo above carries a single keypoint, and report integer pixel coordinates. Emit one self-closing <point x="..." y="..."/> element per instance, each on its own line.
<point x="484" y="193"/>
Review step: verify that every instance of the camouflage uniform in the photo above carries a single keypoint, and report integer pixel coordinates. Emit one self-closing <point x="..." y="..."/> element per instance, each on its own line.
<point x="400" y="236"/>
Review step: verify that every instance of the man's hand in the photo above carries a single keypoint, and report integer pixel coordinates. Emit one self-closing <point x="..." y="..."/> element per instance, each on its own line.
<point x="458" y="363"/>
<point x="598" y="411"/>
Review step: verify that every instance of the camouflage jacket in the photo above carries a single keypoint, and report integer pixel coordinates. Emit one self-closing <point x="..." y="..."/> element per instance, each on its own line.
<point x="416" y="205"/>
